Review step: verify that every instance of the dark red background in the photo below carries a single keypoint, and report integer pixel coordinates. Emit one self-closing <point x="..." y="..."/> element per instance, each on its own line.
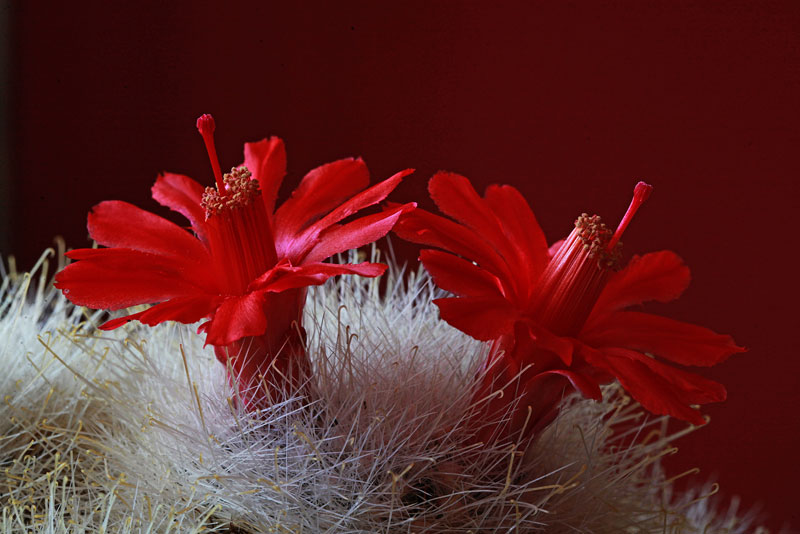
<point x="570" y="102"/>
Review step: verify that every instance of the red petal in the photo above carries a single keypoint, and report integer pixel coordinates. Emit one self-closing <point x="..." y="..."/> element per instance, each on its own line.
<point x="120" y="321"/>
<point x="312" y="274"/>
<point x="242" y="316"/>
<point x="356" y="233"/>
<point x="520" y="225"/>
<point x="369" y="197"/>
<point x="484" y="318"/>
<point x="295" y="247"/>
<point x="660" y="276"/>
<point x="692" y="388"/>
<point x="266" y="159"/>
<point x="182" y="194"/>
<point x="663" y="392"/>
<point x="118" y="224"/>
<point x="367" y="269"/>
<point x="118" y="278"/>
<point x="127" y="262"/>
<point x="455" y="196"/>
<point x="460" y="276"/>
<point x="185" y="310"/>
<point x="679" y="342"/>
<point x="560" y="346"/>
<point x="237" y="317"/>
<point x="534" y="345"/>
<point x="322" y="190"/>
<point x="588" y="387"/>
<point x="425" y="228"/>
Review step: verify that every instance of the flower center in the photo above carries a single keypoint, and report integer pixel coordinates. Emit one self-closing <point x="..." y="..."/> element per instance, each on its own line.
<point x="595" y="238"/>
<point x="237" y="192"/>
<point x="238" y="227"/>
<point x="576" y="275"/>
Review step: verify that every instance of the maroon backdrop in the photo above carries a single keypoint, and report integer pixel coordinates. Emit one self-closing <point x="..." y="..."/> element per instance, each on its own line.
<point x="572" y="103"/>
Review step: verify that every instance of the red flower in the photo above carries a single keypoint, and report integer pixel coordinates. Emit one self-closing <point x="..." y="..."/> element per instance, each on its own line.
<point x="247" y="265"/>
<point x="558" y="317"/>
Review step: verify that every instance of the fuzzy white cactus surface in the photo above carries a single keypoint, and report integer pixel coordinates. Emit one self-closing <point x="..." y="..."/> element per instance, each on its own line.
<point x="137" y="430"/>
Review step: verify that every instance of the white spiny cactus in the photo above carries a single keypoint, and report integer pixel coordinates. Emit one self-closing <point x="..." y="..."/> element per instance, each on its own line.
<point x="137" y="430"/>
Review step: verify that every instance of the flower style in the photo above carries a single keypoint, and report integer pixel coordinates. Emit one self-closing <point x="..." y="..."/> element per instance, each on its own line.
<point x="558" y="318"/>
<point x="247" y="265"/>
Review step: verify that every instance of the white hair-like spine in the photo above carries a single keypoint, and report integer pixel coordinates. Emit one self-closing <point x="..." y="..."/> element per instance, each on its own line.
<point x="136" y="430"/>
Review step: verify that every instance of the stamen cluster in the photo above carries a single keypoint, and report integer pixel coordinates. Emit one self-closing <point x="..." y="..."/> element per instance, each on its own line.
<point x="596" y="237"/>
<point x="240" y="189"/>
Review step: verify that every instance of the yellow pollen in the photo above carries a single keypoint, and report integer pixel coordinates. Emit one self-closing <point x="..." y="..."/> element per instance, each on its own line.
<point x="596" y="236"/>
<point x="240" y="189"/>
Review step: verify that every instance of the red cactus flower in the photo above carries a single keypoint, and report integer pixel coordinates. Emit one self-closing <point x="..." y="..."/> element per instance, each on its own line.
<point x="247" y="265"/>
<point x="557" y="318"/>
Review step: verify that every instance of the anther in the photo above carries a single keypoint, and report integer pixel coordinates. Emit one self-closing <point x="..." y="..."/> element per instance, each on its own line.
<point x="241" y="190"/>
<point x="596" y="236"/>
<point x="206" y="126"/>
<point x="640" y="194"/>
